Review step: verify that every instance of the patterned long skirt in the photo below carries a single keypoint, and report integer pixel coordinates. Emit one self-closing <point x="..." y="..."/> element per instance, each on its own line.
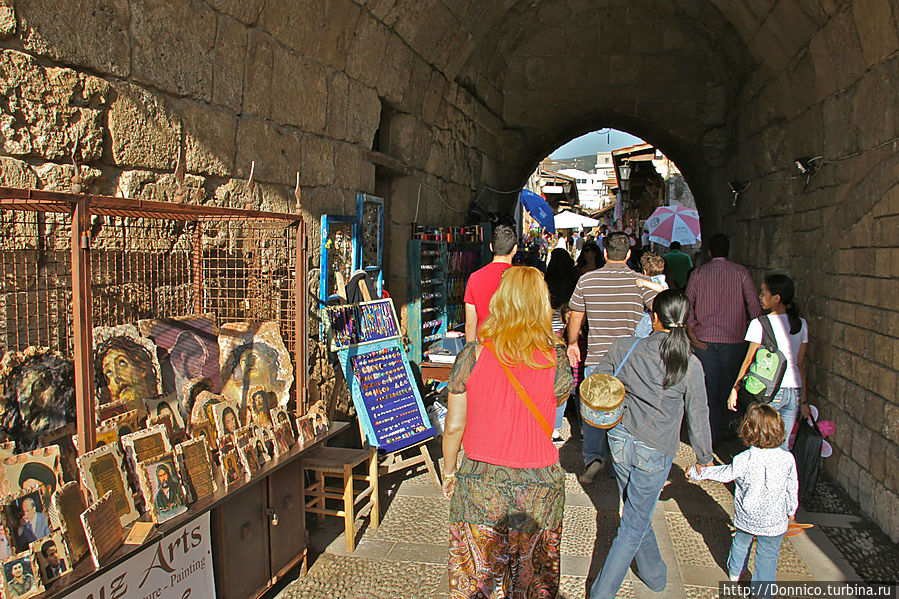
<point x="506" y="532"/>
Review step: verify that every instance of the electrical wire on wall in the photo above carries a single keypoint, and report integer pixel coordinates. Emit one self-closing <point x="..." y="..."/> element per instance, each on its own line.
<point x="439" y="196"/>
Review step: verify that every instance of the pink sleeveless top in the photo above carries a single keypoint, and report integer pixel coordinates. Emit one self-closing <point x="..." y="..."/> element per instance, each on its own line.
<point x="499" y="428"/>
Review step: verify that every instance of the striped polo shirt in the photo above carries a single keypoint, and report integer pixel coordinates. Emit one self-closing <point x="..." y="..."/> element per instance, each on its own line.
<point x="613" y="303"/>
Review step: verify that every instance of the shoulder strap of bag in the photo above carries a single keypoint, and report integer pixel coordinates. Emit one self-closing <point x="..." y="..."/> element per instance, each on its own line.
<point x="769" y="341"/>
<point x="626" y="356"/>
<point x="525" y="398"/>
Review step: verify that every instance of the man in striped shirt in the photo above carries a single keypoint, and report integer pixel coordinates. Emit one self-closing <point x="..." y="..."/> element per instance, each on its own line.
<point x="612" y="303"/>
<point x="723" y="300"/>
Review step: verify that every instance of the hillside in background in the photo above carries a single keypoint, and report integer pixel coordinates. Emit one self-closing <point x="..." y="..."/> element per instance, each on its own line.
<point x="585" y="163"/>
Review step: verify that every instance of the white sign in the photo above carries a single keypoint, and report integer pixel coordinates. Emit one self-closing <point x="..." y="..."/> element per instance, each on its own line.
<point x="178" y="566"/>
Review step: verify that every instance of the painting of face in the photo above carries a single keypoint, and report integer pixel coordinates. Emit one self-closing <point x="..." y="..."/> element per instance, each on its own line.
<point x="125" y="366"/>
<point x="253" y="358"/>
<point x="37" y="395"/>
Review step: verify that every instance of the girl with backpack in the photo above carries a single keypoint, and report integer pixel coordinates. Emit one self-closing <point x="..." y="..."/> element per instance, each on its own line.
<point x="765" y="496"/>
<point x="791" y="333"/>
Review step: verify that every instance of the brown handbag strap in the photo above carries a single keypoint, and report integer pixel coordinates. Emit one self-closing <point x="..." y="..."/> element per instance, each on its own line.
<point x="525" y="398"/>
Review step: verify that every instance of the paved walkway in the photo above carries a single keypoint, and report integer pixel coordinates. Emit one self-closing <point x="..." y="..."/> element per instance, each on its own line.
<point x="406" y="556"/>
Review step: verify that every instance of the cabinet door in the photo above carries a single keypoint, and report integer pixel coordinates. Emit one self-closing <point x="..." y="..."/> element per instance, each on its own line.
<point x="285" y="498"/>
<point x="240" y="532"/>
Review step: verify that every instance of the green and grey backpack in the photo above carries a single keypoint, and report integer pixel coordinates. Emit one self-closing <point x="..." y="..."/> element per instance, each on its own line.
<point x="762" y="381"/>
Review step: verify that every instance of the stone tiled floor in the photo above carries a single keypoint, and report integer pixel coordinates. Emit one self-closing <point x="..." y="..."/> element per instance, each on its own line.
<point x="406" y="556"/>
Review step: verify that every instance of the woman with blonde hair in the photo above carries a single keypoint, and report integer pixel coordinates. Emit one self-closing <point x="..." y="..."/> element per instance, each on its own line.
<point x="508" y="493"/>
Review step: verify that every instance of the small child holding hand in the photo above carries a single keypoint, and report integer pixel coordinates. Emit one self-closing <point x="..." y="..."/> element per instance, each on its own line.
<point x="766" y="495"/>
<point x="653" y="267"/>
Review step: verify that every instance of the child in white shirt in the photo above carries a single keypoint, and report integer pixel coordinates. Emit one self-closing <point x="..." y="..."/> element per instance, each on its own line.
<point x="766" y="495"/>
<point x="654" y="267"/>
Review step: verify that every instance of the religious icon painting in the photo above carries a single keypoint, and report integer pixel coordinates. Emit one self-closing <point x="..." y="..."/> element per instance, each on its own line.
<point x="315" y="419"/>
<point x="188" y="349"/>
<point x="263" y="454"/>
<point x="36" y="468"/>
<point x="146" y="444"/>
<point x="190" y="392"/>
<point x="37" y="394"/>
<point x="279" y="416"/>
<point x="68" y="503"/>
<point x="249" y="461"/>
<point x="195" y="464"/>
<point x="114" y="408"/>
<point x="102" y="471"/>
<point x="202" y="409"/>
<point x="21" y="577"/>
<point x="252" y="356"/>
<point x="305" y="430"/>
<point x="205" y="431"/>
<point x="52" y="557"/>
<point x="113" y="429"/>
<point x="283" y="438"/>
<point x="260" y="406"/>
<point x="125" y="366"/>
<point x="26" y="517"/>
<point x="161" y="487"/>
<point x="232" y="471"/>
<point x="226" y="416"/>
<point x="166" y="405"/>
<point x="7" y="448"/>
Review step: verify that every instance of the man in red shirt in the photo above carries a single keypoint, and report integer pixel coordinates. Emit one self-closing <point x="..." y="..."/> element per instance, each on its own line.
<point x="483" y="282"/>
<point x="723" y="299"/>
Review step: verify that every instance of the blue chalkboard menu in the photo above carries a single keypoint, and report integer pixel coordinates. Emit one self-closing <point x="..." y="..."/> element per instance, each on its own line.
<point x="377" y="371"/>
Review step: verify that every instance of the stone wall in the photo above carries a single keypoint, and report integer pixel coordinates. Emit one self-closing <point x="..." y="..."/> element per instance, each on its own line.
<point x="836" y="233"/>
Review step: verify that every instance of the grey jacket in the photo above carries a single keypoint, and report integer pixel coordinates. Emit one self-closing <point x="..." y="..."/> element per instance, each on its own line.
<point x="653" y="414"/>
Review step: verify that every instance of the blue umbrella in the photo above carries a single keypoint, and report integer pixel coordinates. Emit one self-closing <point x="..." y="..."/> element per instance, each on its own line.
<point x="538" y="209"/>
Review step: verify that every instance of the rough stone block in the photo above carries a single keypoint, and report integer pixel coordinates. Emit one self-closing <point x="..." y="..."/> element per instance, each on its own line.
<point x="367" y="51"/>
<point x="101" y="41"/>
<point x="338" y="98"/>
<point x="845" y="49"/>
<point x="209" y="137"/>
<point x="340" y="23"/>
<point x="298" y="24"/>
<point x="276" y="151"/>
<point x="363" y="113"/>
<point x="246" y="11"/>
<point x="234" y="194"/>
<point x="144" y="131"/>
<point x="146" y="185"/>
<point x="891" y="423"/>
<point x="58" y="177"/>
<point x="7" y="19"/>
<point x="43" y="111"/>
<point x="173" y="46"/>
<point x="317" y="163"/>
<point x="228" y="63"/>
<point x="16" y="173"/>
<point x="299" y="92"/>
<point x="876" y="28"/>
<point x="257" y="89"/>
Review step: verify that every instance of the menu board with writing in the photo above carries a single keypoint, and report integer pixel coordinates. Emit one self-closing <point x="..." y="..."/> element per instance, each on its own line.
<point x="196" y="466"/>
<point x="390" y="407"/>
<point x="102" y="471"/>
<point x="103" y="529"/>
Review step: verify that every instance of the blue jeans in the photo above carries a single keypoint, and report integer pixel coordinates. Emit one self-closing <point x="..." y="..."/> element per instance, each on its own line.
<point x="560" y="412"/>
<point x="786" y="401"/>
<point x="721" y="363"/>
<point x="641" y="472"/>
<point x="767" y="550"/>
<point x="594" y="445"/>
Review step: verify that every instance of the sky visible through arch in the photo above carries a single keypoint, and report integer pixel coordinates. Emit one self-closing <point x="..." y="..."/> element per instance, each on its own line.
<point x="595" y="141"/>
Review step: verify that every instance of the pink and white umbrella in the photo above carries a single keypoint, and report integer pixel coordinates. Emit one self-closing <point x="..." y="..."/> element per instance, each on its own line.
<point x="674" y="223"/>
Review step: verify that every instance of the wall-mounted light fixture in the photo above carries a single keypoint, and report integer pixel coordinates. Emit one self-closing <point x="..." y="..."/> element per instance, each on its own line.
<point x="738" y="187"/>
<point x="624" y="176"/>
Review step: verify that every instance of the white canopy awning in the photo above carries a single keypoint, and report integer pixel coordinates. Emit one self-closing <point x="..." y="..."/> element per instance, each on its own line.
<point x="571" y="220"/>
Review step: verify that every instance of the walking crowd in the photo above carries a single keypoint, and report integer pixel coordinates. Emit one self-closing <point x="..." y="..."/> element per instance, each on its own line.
<point x="681" y="340"/>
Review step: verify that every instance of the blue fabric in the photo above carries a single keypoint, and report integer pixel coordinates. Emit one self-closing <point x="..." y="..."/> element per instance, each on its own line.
<point x="721" y="363"/>
<point x="560" y="411"/>
<point x="641" y="472"/>
<point x="644" y="327"/>
<point x="786" y="401"/>
<point x="767" y="551"/>
<point x="594" y="439"/>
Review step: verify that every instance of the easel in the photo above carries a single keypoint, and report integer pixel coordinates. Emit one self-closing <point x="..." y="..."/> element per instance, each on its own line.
<point x="392" y="460"/>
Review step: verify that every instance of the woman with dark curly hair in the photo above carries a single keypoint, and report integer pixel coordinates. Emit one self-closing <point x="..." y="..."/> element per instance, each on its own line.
<point x="39" y="396"/>
<point x="124" y="370"/>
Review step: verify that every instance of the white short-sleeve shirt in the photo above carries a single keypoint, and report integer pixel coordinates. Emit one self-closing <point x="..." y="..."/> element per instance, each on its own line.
<point x="788" y="344"/>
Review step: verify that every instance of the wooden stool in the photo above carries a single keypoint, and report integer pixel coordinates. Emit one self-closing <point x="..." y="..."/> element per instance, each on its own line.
<point x="339" y="462"/>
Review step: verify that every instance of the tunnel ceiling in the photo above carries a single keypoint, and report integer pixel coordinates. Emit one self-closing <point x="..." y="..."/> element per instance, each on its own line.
<point x="551" y="70"/>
